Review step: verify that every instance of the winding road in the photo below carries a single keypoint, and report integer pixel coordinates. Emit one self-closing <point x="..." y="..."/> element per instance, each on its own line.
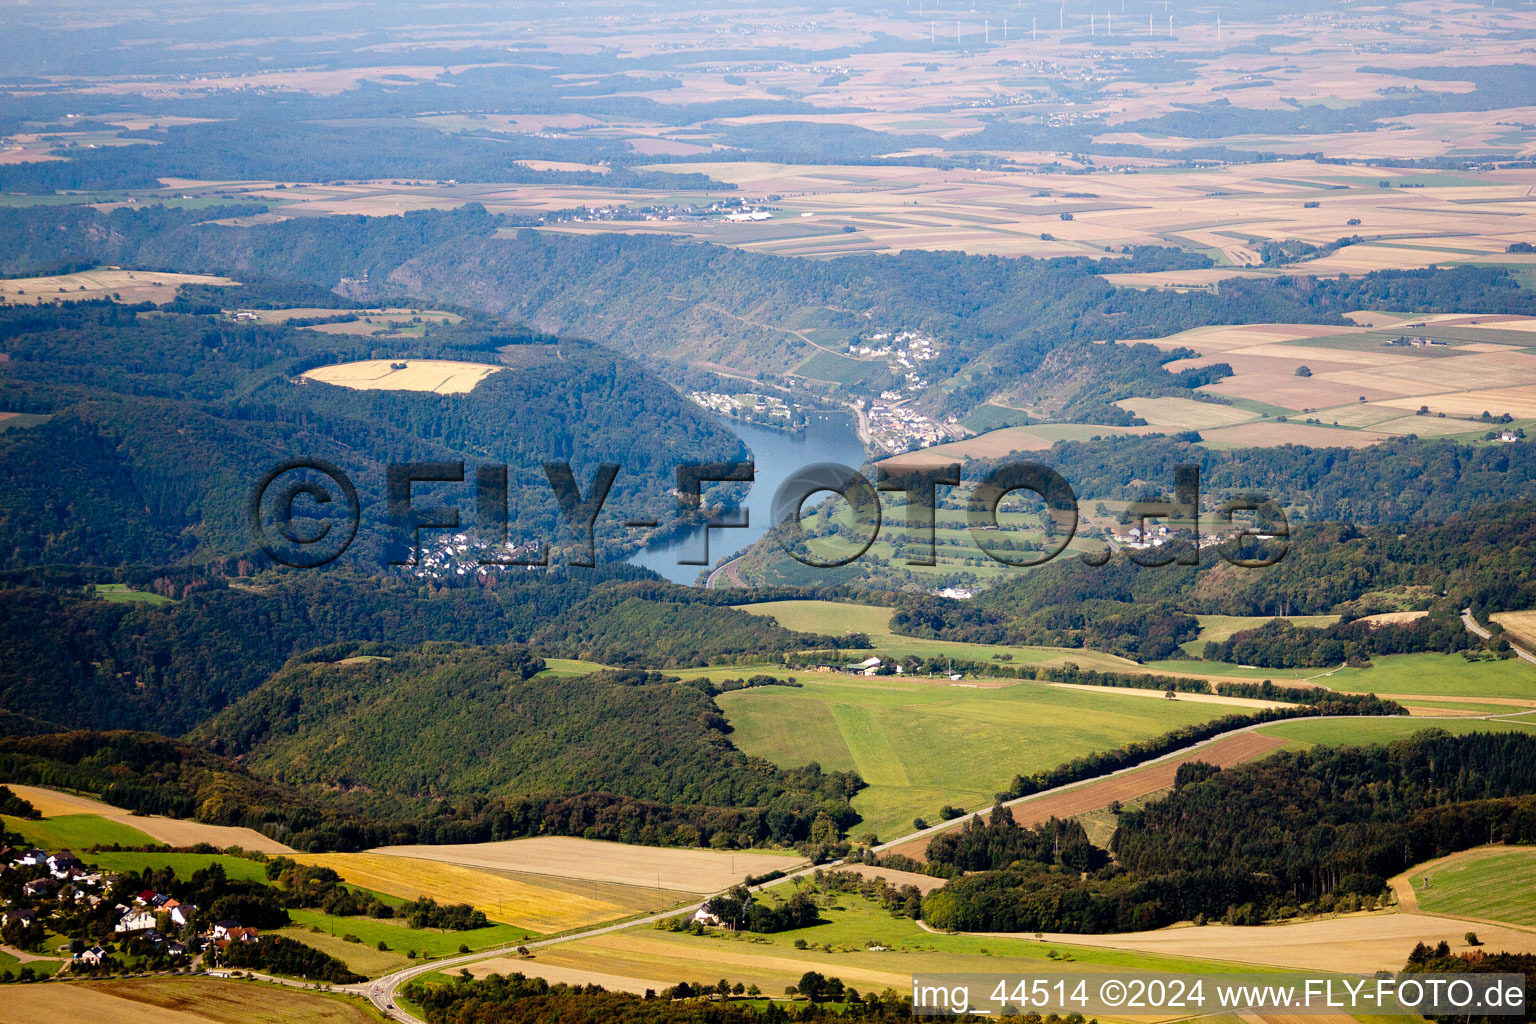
<point x="1476" y="630"/>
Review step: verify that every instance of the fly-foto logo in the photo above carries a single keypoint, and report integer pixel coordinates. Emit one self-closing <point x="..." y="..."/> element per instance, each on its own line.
<point x="305" y="513"/>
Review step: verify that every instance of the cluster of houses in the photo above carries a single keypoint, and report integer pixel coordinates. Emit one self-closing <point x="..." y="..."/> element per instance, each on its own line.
<point x="899" y="429"/>
<point x="142" y="917"/>
<point x="462" y="555"/>
<point x="64" y="869"/>
<point x="749" y="406"/>
<point x="903" y="351"/>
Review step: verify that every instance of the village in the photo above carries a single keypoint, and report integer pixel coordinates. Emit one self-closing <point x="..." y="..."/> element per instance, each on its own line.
<point x="56" y="893"/>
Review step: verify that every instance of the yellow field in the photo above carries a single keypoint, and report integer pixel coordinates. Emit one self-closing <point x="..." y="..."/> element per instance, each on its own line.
<point x="107" y="282"/>
<point x="691" y="871"/>
<point x="502" y="899"/>
<point x="444" y="376"/>
<point x="179" y="1001"/>
<point x="1520" y="625"/>
<point x="172" y="831"/>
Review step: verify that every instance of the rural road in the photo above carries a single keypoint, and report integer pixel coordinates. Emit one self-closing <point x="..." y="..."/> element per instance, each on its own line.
<point x="1471" y="624"/>
<point x="381" y="991"/>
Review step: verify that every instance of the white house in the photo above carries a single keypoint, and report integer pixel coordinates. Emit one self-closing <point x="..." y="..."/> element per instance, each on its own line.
<point x="135" y="921"/>
<point x="62" y="865"/>
<point x="181" y="914"/>
<point x="94" y="955"/>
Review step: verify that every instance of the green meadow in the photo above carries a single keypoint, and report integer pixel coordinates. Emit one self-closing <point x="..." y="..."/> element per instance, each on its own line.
<point x="1491" y="885"/>
<point x="76" y="832"/>
<point x="1342" y="732"/>
<point x="921" y="745"/>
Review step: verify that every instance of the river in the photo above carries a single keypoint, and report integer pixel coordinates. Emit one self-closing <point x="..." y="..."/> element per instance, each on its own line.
<point x="828" y="437"/>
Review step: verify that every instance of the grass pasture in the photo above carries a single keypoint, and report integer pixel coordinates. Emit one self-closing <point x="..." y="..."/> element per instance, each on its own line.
<point x="181" y="1001"/>
<point x="532" y="907"/>
<point x="442" y="376"/>
<point x="366" y="958"/>
<point x="1437" y="675"/>
<point x="1347" y="732"/>
<point x="836" y="617"/>
<point x="1487" y="884"/>
<point x="118" y="593"/>
<point x="921" y="744"/>
<point x="184" y="864"/>
<point x="76" y="832"/>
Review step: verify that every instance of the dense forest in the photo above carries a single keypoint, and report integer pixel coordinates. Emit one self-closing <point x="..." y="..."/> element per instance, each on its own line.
<point x="1294" y="832"/>
<point x="470" y="720"/>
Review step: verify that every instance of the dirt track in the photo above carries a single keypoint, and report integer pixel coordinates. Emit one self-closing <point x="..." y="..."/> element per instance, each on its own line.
<point x="1224" y="752"/>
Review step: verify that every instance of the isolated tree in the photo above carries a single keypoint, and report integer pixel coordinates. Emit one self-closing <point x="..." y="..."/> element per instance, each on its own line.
<point x="1302" y="371"/>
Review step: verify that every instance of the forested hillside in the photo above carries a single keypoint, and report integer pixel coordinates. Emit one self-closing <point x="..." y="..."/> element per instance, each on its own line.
<point x="160" y="423"/>
<point x="68" y="660"/>
<point x="470" y="721"/>
<point x="1294" y="832"/>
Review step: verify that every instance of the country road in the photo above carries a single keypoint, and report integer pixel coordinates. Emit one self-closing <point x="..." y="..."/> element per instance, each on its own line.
<point x="381" y="991"/>
<point x="1471" y="624"/>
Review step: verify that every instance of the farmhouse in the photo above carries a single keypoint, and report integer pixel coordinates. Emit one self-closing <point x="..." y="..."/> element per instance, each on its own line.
<point x="226" y="932"/>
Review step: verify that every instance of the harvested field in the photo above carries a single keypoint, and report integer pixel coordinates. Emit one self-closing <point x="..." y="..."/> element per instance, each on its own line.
<point x="172" y="831"/>
<point x="1384" y="618"/>
<point x="924" y="883"/>
<point x="1356" y="943"/>
<point x="443" y="376"/>
<point x="502" y="899"/>
<point x="1092" y="796"/>
<point x="107" y="282"/>
<point x="1193" y="698"/>
<point x="1184" y="413"/>
<point x="179" y="1001"/>
<point x="691" y="871"/>
<point x="558" y="975"/>
<point x="1519" y="402"/>
<point x="1520" y="625"/>
<point x="1272" y="435"/>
